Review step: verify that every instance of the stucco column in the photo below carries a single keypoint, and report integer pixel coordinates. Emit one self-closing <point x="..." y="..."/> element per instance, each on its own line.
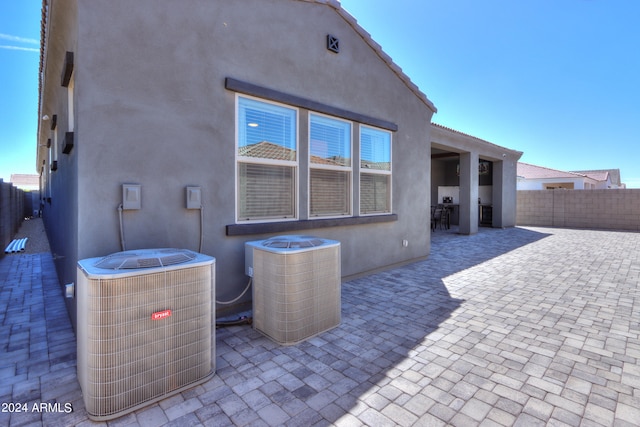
<point x="504" y="193"/>
<point x="469" y="193"/>
<point x="498" y="194"/>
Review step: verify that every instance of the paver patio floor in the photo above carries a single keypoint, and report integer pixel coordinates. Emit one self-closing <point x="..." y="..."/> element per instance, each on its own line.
<point x="513" y="327"/>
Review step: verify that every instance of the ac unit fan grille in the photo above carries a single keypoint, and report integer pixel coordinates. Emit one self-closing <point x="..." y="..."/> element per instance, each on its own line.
<point x="290" y="242"/>
<point x="145" y="259"/>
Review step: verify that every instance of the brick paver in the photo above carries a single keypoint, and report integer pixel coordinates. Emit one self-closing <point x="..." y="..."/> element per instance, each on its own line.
<point x="513" y="327"/>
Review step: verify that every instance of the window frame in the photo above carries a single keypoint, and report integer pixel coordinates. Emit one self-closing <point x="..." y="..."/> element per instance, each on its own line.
<point x="318" y="166"/>
<point x="293" y="164"/>
<point x="71" y="104"/>
<point x="379" y="172"/>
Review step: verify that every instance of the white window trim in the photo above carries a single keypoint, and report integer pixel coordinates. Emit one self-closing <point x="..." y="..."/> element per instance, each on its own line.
<point x="244" y="159"/>
<point x="55" y="143"/>
<point x="70" y="104"/>
<point x="375" y="171"/>
<point x="329" y="167"/>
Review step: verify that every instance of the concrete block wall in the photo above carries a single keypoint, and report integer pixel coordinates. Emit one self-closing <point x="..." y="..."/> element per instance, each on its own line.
<point x="616" y="209"/>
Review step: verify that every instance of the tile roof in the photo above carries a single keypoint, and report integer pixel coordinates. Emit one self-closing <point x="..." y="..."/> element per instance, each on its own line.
<point x="381" y="166"/>
<point x="529" y="171"/>
<point x="377" y="49"/>
<point x="25" y="181"/>
<point x="272" y="151"/>
<point x="267" y="150"/>
<point x="602" y="174"/>
<point x="474" y="137"/>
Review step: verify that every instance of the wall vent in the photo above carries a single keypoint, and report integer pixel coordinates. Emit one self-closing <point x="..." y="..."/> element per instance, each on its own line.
<point x="333" y="44"/>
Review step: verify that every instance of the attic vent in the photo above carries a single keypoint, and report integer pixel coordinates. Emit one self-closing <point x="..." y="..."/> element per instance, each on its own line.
<point x="333" y="43"/>
<point x="145" y="259"/>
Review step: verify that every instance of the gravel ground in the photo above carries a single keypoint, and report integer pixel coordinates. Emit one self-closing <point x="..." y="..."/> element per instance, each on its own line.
<point x="33" y="229"/>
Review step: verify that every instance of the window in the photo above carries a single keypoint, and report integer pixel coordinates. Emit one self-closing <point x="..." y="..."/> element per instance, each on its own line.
<point x="375" y="171"/>
<point x="70" y="106"/>
<point x="54" y="148"/>
<point x="329" y="166"/>
<point x="267" y="161"/>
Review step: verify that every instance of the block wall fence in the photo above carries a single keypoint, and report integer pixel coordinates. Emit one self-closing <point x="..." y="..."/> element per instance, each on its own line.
<point x="12" y="212"/>
<point x="616" y="209"/>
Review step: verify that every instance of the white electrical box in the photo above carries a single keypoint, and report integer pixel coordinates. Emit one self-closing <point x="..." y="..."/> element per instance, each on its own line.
<point x="131" y="196"/>
<point x="194" y="197"/>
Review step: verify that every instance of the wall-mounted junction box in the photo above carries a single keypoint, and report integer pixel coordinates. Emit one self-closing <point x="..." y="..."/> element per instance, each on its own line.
<point x="131" y="196"/>
<point x="194" y="197"/>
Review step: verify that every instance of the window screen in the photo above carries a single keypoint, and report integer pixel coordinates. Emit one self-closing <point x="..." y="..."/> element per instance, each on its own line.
<point x="330" y="166"/>
<point x="375" y="171"/>
<point x="267" y="160"/>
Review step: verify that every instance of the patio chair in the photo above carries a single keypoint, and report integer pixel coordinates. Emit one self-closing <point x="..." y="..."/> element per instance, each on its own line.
<point x="437" y="218"/>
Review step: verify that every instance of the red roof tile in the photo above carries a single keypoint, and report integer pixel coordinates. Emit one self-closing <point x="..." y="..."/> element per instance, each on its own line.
<point x="528" y="171"/>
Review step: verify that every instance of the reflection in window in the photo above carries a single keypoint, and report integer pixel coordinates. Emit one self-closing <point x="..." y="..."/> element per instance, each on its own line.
<point x="267" y="161"/>
<point x="266" y="130"/>
<point x="375" y="171"/>
<point x="330" y="166"/>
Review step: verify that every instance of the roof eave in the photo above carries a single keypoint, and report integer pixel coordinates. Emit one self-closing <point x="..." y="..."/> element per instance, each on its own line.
<point x="378" y="50"/>
<point x="515" y="153"/>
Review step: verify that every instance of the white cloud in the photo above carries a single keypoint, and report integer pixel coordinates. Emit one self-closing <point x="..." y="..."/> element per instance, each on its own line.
<point x="17" y="39"/>
<point x="27" y="49"/>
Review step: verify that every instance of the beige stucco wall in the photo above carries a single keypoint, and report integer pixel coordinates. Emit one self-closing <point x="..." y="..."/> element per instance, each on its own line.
<point x="152" y="109"/>
<point x="615" y="209"/>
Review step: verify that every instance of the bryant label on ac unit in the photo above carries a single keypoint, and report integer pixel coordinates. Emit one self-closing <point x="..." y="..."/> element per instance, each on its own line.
<point x="159" y="315"/>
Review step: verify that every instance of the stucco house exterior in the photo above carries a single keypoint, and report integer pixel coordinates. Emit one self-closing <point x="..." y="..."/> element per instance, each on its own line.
<point x="532" y="177"/>
<point x="277" y="116"/>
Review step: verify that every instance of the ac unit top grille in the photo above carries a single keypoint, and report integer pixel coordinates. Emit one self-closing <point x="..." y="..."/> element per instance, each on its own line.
<point x="293" y="242"/>
<point x="146" y="258"/>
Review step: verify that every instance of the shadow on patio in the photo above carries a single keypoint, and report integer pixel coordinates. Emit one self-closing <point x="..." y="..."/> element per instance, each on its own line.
<point x="377" y="354"/>
<point x="394" y="343"/>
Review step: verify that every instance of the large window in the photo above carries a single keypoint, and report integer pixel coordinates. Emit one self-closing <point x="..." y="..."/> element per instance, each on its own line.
<point x="329" y="166"/>
<point x="267" y="161"/>
<point x="267" y="165"/>
<point x="375" y="171"/>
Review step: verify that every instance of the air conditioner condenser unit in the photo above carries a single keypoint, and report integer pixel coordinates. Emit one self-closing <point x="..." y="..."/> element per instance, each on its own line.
<point x="145" y="327"/>
<point x="296" y="286"/>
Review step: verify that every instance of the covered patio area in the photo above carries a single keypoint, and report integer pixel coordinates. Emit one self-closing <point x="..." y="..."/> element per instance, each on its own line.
<point x="474" y="179"/>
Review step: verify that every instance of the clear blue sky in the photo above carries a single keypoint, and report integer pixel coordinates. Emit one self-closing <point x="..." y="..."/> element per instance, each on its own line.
<point x="558" y="80"/>
<point x="19" y="60"/>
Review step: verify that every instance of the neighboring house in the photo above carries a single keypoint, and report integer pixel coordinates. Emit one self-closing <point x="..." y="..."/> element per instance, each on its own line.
<point x="606" y="178"/>
<point x="30" y="186"/>
<point x="531" y="177"/>
<point x="284" y="113"/>
<point x="26" y="182"/>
